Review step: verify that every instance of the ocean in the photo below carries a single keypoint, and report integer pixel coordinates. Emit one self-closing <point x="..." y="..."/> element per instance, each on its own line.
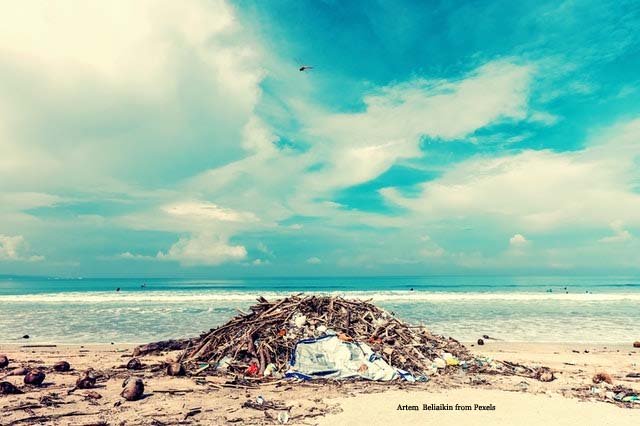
<point x="522" y="309"/>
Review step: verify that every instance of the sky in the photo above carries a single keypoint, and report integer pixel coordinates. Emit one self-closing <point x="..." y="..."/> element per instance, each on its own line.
<point x="431" y="137"/>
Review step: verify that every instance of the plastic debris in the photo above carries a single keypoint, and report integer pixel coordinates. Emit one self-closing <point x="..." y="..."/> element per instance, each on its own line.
<point x="252" y="369"/>
<point x="223" y="364"/>
<point x="440" y="363"/>
<point x="330" y="357"/>
<point x="299" y="320"/>
<point x="450" y="359"/>
<point x="270" y="370"/>
<point x="283" y="417"/>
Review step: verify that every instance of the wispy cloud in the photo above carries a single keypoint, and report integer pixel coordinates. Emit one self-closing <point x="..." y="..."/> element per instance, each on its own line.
<point x="619" y="233"/>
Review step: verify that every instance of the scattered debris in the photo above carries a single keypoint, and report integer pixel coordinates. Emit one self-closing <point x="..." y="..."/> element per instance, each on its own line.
<point x="165" y="345"/>
<point x="192" y="412"/>
<point x="51" y="400"/>
<point x="602" y="377"/>
<point x="39" y="346"/>
<point x="48" y="418"/>
<point x="92" y="395"/>
<point x="265" y="405"/>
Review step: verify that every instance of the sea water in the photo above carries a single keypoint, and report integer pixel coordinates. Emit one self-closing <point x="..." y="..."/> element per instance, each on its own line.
<point x="527" y="309"/>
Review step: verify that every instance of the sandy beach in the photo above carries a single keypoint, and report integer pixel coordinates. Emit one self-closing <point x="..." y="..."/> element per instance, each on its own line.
<point x="208" y="400"/>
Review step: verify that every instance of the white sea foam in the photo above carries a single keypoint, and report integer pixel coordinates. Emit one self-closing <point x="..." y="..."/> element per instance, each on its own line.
<point x="377" y="296"/>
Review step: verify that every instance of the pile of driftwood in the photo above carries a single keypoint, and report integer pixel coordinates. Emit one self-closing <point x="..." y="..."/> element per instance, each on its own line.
<point x="266" y="335"/>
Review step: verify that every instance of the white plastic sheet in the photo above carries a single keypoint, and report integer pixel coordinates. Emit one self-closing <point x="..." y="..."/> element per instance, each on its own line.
<point x="330" y="357"/>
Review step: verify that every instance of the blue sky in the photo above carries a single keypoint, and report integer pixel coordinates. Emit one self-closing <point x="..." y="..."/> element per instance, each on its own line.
<point x="173" y="138"/>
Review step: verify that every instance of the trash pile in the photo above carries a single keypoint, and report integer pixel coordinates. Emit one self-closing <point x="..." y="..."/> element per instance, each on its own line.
<point x="321" y="336"/>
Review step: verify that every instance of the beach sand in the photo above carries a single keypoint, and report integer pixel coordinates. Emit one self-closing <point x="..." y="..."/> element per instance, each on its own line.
<point x="191" y="400"/>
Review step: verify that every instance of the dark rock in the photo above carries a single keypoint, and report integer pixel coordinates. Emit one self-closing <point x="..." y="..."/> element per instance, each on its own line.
<point x="480" y="342"/>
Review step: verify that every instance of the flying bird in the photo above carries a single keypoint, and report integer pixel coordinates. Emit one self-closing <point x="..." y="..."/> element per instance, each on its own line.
<point x="305" y="68"/>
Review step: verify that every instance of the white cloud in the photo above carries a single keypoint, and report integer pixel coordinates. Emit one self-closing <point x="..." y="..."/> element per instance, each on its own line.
<point x="314" y="260"/>
<point x="122" y="34"/>
<point x="203" y="250"/>
<point x="619" y="233"/>
<point x="15" y="248"/>
<point x="539" y="190"/>
<point x="518" y="240"/>
<point x="86" y="81"/>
